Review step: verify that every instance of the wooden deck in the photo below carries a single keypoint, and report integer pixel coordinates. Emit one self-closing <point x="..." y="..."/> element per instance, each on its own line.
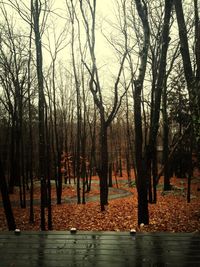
<point x="99" y="249"/>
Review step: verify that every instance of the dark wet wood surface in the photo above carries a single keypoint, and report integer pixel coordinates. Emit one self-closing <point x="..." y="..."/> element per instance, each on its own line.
<point x="99" y="249"/>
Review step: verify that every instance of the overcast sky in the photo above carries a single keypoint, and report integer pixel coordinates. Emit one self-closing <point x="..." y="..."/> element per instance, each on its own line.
<point x="104" y="53"/>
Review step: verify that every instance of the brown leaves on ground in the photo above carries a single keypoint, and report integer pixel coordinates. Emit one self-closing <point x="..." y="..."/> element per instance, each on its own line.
<point x="171" y="213"/>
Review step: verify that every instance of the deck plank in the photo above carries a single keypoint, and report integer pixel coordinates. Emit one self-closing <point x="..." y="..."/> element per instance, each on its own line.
<point x="61" y="248"/>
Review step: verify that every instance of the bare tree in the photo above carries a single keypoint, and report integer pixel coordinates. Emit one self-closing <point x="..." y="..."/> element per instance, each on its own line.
<point x="54" y="47"/>
<point x="155" y="114"/>
<point x="13" y="77"/>
<point x="72" y="15"/>
<point x="192" y="77"/>
<point x="36" y="7"/>
<point x="30" y="115"/>
<point x="143" y="215"/>
<point x="95" y="88"/>
<point x="145" y="139"/>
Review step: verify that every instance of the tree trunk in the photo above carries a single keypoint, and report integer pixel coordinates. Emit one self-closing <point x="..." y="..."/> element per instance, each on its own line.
<point x="6" y="200"/>
<point x="12" y="181"/>
<point x="41" y="108"/>
<point x="165" y="140"/>
<point x="141" y="182"/>
<point x="110" y="174"/>
<point x="193" y="83"/>
<point x="49" y="206"/>
<point x="155" y="114"/>
<point x="30" y="141"/>
<point x="57" y="143"/>
<point x="103" y="171"/>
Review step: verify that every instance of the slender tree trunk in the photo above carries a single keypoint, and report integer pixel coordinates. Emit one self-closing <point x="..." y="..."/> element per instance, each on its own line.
<point x="78" y="109"/>
<point x="84" y="171"/>
<point x="57" y="143"/>
<point x="30" y="142"/>
<point x="78" y="145"/>
<point x="154" y="174"/>
<point x="96" y="90"/>
<point x="103" y="171"/>
<point x="155" y="114"/>
<point x="12" y="157"/>
<point x="49" y="206"/>
<point x="129" y="145"/>
<point x="41" y="107"/>
<point x="165" y="140"/>
<point x="21" y="150"/>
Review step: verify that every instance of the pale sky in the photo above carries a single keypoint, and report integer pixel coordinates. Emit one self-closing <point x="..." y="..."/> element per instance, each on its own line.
<point x="104" y="52"/>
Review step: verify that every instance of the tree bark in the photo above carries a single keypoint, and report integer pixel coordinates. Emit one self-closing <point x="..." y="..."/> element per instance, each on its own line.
<point x="165" y="140"/>
<point x="6" y="200"/>
<point x="141" y="182"/>
<point x="155" y="113"/>
<point x="103" y="170"/>
<point x="193" y="82"/>
<point x="41" y="106"/>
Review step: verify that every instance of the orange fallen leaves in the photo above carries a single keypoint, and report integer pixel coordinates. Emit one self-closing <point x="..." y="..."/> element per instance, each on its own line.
<point x="171" y="213"/>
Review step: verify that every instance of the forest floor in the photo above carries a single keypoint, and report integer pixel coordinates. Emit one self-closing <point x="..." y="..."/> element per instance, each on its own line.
<point x="171" y="213"/>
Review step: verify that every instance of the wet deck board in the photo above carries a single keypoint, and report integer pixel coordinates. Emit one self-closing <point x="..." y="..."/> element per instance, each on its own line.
<point x="99" y="249"/>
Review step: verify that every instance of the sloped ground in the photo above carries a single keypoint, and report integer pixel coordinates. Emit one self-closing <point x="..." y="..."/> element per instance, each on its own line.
<point x="171" y="213"/>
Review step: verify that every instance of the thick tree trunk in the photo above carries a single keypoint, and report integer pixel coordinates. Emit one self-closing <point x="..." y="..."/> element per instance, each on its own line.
<point x="141" y="182"/>
<point x="193" y="83"/>
<point x="6" y="200"/>
<point x="154" y="174"/>
<point x="110" y="174"/>
<point x="143" y="213"/>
